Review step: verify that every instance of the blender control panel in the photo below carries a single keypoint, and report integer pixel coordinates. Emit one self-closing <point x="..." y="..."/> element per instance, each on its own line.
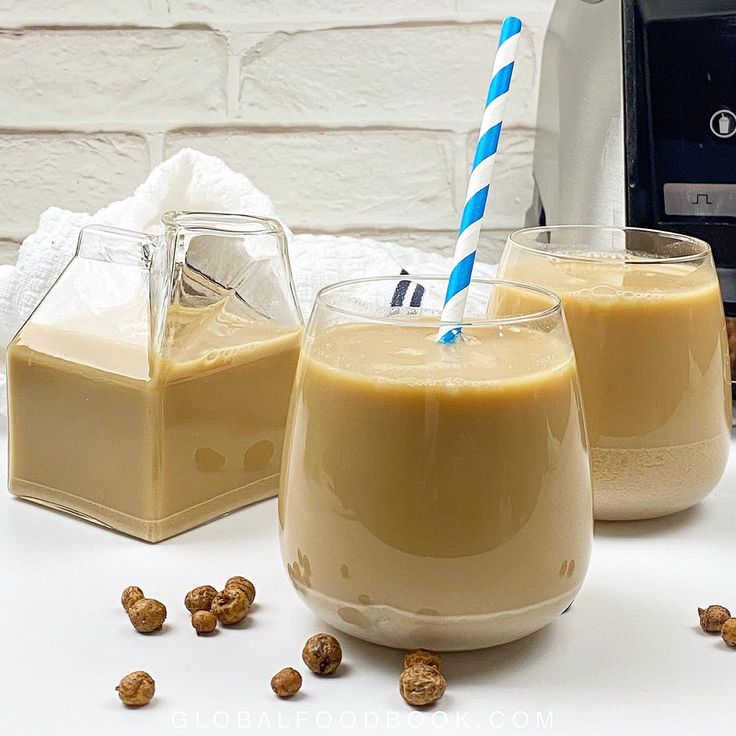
<point x="692" y="77"/>
<point x="680" y="102"/>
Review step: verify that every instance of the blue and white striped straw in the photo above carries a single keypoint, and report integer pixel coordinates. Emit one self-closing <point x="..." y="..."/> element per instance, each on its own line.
<point x="480" y="181"/>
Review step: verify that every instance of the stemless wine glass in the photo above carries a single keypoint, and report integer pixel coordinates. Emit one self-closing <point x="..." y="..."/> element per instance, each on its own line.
<point x="436" y="495"/>
<point x="646" y="319"/>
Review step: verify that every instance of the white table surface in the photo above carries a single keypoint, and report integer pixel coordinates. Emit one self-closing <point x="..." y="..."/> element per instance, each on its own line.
<point x="628" y="658"/>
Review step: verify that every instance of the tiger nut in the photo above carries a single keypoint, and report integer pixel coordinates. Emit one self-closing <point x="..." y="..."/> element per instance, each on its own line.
<point x="230" y="606"/>
<point x="147" y="615"/>
<point x="422" y="685"/>
<point x="130" y="595"/>
<point x="712" y="618"/>
<point x="245" y="585"/>
<point x="286" y="683"/>
<point x="204" y="622"/>
<point x="137" y="688"/>
<point x="423" y="656"/>
<point x="322" y="654"/>
<point x="200" y="599"/>
<point x="728" y="632"/>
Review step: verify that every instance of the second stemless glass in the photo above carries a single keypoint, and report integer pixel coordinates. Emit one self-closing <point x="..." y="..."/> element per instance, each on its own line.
<point x="646" y="318"/>
<point x="436" y="495"/>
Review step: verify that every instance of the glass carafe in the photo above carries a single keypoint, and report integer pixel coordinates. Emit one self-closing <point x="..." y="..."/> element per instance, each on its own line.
<point x="149" y="389"/>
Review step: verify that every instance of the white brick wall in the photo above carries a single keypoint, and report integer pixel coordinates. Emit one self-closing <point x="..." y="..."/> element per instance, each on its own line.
<point x="356" y="116"/>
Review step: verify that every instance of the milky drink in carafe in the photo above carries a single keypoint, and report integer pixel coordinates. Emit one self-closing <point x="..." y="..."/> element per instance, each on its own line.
<point x="149" y="436"/>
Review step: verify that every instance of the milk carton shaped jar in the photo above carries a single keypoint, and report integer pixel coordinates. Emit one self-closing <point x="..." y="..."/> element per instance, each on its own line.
<point x="149" y="389"/>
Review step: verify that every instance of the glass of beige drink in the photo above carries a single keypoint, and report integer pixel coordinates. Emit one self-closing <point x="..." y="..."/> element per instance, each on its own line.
<point x="436" y="495"/>
<point x="646" y="319"/>
<point x="149" y="390"/>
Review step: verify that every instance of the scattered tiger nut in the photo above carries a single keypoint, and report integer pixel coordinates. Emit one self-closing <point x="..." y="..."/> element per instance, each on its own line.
<point x="423" y="656"/>
<point x="130" y="595"/>
<point x="147" y="615"/>
<point x="200" y="598"/>
<point x="728" y="632"/>
<point x="137" y="688"/>
<point x="286" y="683"/>
<point x="422" y="685"/>
<point x="230" y="606"/>
<point x="238" y="581"/>
<point x="204" y="622"/>
<point x="712" y="618"/>
<point x="322" y="654"/>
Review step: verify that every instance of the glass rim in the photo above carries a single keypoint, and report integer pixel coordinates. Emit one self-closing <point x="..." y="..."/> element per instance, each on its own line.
<point x="704" y="247"/>
<point x="322" y="301"/>
<point x="222" y="223"/>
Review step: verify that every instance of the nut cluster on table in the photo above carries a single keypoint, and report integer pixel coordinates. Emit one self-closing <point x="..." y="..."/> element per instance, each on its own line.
<point x="421" y="682"/>
<point x="207" y="607"/>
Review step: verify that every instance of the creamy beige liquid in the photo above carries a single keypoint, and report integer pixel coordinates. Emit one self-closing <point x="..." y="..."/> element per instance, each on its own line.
<point x="652" y="353"/>
<point x="434" y="495"/>
<point x="148" y="446"/>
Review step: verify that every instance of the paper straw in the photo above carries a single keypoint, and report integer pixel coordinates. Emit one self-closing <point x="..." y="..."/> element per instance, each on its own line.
<point x="480" y="181"/>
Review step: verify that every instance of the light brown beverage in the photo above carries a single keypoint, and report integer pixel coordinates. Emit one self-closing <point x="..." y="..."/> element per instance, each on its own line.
<point x="149" y="445"/>
<point x="652" y="353"/>
<point x="436" y="495"/>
